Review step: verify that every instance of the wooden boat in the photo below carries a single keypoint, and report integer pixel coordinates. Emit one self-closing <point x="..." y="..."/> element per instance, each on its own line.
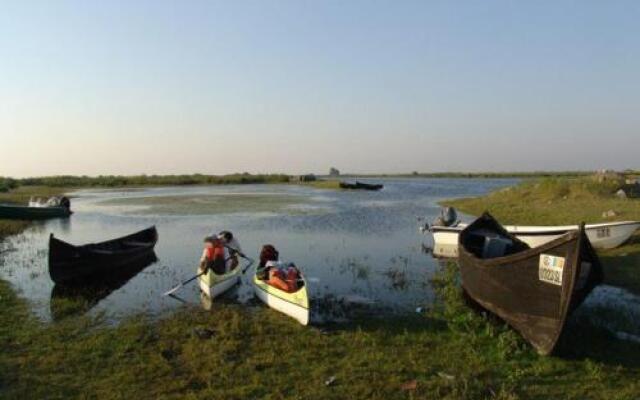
<point x="80" y="295"/>
<point x="606" y="235"/>
<point x="8" y="211"/>
<point x="68" y="262"/>
<point x="214" y="285"/>
<point x="295" y="305"/>
<point x="360" y="186"/>
<point x="533" y="289"/>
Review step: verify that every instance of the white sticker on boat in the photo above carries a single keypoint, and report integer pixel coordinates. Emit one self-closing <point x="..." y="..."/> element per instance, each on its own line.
<point x="550" y="269"/>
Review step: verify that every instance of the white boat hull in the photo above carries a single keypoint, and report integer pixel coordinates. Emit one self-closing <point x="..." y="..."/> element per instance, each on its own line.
<point x="295" y="305"/>
<point x="601" y="236"/>
<point x="214" y="287"/>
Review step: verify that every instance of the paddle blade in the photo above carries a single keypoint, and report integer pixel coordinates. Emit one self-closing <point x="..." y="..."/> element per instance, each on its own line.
<point x="172" y="291"/>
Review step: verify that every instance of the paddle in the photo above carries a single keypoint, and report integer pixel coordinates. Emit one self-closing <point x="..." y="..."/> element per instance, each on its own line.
<point x="193" y="278"/>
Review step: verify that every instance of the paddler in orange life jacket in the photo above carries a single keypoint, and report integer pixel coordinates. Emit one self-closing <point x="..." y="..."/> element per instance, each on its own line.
<point x="220" y="253"/>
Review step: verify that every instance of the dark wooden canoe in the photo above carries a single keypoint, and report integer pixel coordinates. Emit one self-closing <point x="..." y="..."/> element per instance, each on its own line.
<point x="68" y="262"/>
<point x="360" y="186"/>
<point x="533" y="289"/>
<point x="30" y="213"/>
<point x="78" y="296"/>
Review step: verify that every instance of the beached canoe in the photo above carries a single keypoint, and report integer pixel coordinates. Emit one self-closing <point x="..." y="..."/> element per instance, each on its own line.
<point x="68" y="262"/>
<point x="606" y="235"/>
<point x="295" y="305"/>
<point x="8" y="211"/>
<point x="533" y="289"/>
<point x="214" y="285"/>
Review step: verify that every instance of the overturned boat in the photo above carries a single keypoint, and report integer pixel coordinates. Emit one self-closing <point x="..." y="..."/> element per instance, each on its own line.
<point x="535" y="289"/>
<point x="68" y="262"/>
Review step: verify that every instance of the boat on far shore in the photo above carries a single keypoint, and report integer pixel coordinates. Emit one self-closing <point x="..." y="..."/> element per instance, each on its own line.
<point x="360" y="186"/>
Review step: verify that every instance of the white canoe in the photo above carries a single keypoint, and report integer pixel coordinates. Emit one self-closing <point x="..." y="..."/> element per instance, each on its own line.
<point x="214" y="285"/>
<point x="295" y="305"/>
<point x="602" y="236"/>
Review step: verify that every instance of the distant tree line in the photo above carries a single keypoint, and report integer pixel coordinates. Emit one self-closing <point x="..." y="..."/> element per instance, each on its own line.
<point x="7" y="184"/>
<point x="144" y="180"/>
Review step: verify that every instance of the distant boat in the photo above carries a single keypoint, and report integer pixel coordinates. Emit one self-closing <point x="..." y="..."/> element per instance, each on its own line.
<point x="360" y="186"/>
<point x="535" y="289"/>
<point x="602" y="236"/>
<point x="57" y="207"/>
<point x="68" y="262"/>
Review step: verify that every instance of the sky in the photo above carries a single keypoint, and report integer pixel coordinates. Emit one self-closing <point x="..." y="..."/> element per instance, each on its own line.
<point x="172" y="87"/>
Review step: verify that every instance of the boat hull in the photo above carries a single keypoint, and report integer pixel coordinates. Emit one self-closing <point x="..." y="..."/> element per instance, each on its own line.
<point x="68" y="262"/>
<point x="295" y="305"/>
<point x="32" y="213"/>
<point x="601" y="236"/>
<point x="534" y="290"/>
<point x="214" y="285"/>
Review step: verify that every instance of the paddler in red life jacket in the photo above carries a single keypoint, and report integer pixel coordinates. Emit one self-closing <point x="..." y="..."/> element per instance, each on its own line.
<point x="214" y="256"/>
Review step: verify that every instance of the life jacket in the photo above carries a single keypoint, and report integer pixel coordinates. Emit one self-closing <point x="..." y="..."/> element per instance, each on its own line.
<point x="215" y="257"/>
<point x="277" y="279"/>
<point x="292" y="278"/>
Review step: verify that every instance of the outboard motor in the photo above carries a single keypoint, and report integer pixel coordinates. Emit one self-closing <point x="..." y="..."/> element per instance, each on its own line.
<point x="448" y="217"/>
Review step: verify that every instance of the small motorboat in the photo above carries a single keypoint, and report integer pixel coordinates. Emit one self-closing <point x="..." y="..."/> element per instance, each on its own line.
<point x="535" y="289"/>
<point x="68" y="262"/>
<point x="55" y="207"/>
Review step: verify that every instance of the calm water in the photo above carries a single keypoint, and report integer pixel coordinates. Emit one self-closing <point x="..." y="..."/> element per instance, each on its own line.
<point x="356" y="248"/>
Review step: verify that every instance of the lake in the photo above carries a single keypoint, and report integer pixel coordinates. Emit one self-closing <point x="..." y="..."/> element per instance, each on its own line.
<point x="360" y="251"/>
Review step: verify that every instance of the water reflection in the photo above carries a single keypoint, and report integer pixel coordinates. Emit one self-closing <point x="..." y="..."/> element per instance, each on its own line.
<point x="78" y="297"/>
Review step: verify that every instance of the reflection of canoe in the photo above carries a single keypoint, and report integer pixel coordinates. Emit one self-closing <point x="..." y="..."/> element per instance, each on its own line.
<point x="68" y="262"/>
<point x="295" y="305"/>
<point x="533" y="289"/>
<point x="29" y="213"/>
<point x="602" y="236"/>
<point x="360" y="186"/>
<point x="214" y="285"/>
<point x="79" y="296"/>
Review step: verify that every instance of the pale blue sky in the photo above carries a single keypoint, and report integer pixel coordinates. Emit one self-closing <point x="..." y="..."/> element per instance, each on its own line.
<point x="120" y="87"/>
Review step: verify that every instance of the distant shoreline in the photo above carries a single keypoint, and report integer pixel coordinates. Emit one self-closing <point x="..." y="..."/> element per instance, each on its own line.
<point x="7" y="183"/>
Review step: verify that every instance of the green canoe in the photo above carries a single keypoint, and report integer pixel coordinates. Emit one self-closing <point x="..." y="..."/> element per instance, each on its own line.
<point x="25" y="212"/>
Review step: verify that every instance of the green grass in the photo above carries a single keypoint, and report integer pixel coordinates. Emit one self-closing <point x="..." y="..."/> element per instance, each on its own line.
<point x="567" y="201"/>
<point x="451" y="352"/>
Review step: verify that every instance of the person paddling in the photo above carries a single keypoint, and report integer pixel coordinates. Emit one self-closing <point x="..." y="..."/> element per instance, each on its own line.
<point x="220" y="253"/>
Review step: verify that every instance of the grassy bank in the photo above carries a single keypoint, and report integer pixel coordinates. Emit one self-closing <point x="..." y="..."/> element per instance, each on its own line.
<point x="567" y="201"/>
<point x="236" y="352"/>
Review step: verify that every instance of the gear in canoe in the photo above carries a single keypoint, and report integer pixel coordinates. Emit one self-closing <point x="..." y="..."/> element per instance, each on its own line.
<point x="281" y="286"/>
